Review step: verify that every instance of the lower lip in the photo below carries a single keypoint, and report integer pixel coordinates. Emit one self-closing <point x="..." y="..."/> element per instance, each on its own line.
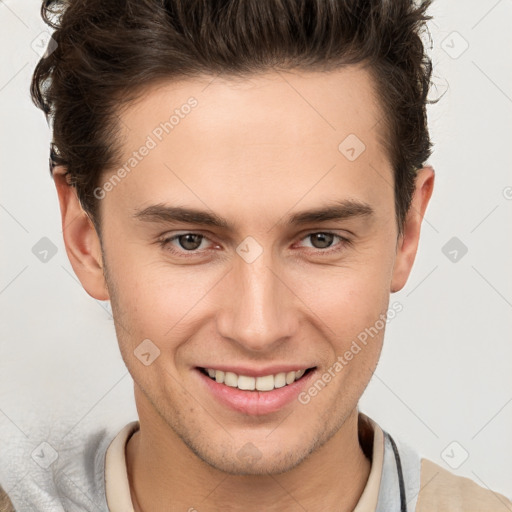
<point x="255" y="403"/>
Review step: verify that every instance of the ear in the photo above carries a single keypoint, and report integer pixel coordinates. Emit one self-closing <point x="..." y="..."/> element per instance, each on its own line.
<point x="409" y="239"/>
<point x="80" y="238"/>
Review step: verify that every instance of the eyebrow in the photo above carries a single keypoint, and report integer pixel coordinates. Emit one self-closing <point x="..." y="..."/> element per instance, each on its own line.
<point x="339" y="210"/>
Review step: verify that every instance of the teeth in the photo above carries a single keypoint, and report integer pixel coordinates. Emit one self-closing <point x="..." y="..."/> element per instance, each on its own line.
<point x="230" y="379"/>
<point x="299" y="374"/>
<point x="280" y="380"/>
<point x="248" y="383"/>
<point x="264" y="383"/>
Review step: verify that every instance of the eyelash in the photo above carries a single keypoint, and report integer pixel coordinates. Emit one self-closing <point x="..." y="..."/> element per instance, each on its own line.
<point x="164" y="243"/>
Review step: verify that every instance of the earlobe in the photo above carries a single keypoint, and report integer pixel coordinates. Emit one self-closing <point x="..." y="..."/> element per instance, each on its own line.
<point x="409" y="239"/>
<point x="80" y="238"/>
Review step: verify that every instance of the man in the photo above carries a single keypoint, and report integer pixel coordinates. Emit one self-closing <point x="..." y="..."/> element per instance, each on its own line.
<point x="245" y="181"/>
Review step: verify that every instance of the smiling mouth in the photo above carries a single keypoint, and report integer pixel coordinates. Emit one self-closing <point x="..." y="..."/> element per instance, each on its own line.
<point x="263" y="383"/>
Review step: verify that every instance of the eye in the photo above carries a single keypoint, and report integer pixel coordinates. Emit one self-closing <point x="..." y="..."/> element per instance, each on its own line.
<point x="323" y="241"/>
<point x="188" y="242"/>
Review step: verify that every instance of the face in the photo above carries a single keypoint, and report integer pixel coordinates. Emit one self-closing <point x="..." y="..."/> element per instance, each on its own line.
<point x="251" y="284"/>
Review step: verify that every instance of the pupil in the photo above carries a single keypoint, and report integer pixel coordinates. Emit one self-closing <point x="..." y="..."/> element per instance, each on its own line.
<point x="188" y="237"/>
<point x="322" y="237"/>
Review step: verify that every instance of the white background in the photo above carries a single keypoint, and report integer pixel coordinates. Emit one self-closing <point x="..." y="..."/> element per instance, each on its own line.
<point x="445" y="372"/>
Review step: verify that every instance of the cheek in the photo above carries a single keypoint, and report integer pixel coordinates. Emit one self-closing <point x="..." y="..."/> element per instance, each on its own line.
<point x="155" y="300"/>
<point x="349" y="302"/>
<point x="345" y="294"/>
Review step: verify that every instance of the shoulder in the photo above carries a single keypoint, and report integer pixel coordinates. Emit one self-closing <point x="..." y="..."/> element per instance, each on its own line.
<point x="72" y="479"/>
<point x="442" y="490"/>
<point x="5" y="502"/>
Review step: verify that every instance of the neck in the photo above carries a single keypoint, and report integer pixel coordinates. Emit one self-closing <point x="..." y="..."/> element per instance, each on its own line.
<point x="162" y="469"/>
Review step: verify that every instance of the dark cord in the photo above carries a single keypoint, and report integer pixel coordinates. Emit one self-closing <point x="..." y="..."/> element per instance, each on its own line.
<point x="403" y="502"/>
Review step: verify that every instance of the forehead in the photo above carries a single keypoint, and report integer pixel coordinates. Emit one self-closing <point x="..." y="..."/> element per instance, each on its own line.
<point x="307" y="105"/>
<point x="278" y="135"/>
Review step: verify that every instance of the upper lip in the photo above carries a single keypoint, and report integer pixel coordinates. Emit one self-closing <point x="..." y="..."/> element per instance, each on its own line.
<point x="259" y="372"/>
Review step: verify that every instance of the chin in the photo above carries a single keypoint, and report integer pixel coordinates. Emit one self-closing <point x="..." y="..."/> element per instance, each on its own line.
<point x="271" y="464"/>
<point x="282" y="454"/>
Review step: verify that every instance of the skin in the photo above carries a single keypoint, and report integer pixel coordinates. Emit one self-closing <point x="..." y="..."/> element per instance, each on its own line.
<point x="253" y="151"/>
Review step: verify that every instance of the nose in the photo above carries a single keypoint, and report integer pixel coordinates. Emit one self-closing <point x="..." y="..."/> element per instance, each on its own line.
<point x="259" y="312"/>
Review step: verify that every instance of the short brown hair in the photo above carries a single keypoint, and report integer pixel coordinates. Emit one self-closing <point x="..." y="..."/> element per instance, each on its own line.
<point x="107" y="51"/>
